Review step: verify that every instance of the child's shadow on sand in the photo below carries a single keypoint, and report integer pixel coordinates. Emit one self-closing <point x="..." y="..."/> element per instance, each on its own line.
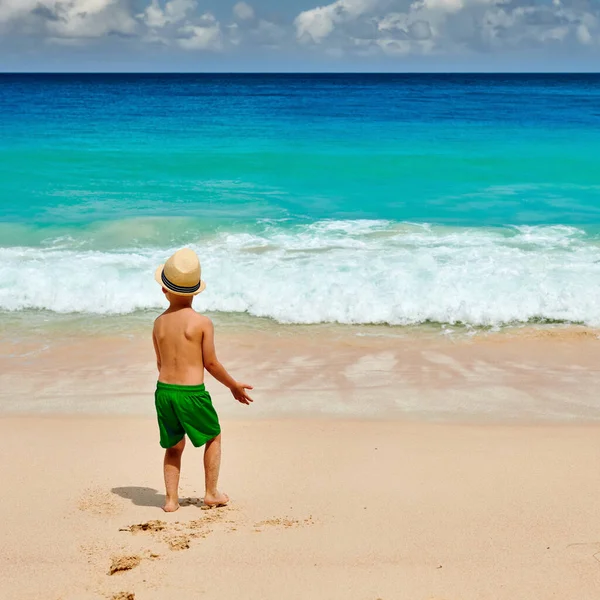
<point x="140" y="496"/>
<point x="145" y="496"/>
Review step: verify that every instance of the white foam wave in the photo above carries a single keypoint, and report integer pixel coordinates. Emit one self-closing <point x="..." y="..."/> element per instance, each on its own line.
<point x="344" y="271"/>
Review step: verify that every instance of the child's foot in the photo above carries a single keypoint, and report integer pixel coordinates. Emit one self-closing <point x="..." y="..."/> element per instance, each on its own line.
<point x="217" y="499"/>
<point x="171" y="505"/>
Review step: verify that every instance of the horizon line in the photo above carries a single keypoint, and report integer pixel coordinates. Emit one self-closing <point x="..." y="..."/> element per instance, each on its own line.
<point x="299" y="72"/>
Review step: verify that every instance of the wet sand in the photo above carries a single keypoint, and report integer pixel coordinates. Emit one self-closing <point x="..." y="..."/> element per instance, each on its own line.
<point x="523" y="375"/>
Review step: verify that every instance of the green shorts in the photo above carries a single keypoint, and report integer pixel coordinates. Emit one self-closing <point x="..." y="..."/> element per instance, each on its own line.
<point x="185" y="410"/>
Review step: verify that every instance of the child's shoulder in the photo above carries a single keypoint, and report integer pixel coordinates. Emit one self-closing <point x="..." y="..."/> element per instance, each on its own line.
<point x="191" y="316"/>
<point x="201" y="319"/>
<point x="159" y="318"/>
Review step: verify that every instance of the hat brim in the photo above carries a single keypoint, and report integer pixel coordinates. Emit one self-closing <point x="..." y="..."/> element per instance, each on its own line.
<point x="158" y="277"/>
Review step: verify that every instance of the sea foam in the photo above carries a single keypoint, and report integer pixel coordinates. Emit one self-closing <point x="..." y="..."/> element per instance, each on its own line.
<point x="333" y="271"/>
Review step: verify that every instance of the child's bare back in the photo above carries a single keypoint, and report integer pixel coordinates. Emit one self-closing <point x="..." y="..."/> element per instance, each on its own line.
<point x="183" y="338"/>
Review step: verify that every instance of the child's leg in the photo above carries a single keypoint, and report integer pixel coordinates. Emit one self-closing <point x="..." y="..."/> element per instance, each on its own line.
<point x="172" y="467"/>
<point x="212" y="465"/>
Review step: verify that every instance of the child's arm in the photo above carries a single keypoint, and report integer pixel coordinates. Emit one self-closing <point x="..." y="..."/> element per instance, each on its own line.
<point x="217" y="370"/>
<point x="157" y="351"/>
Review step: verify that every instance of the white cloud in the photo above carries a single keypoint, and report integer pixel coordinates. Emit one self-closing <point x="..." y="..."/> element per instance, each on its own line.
<point x="61" y="41"/>
<point x="416" y="29"/>
<point x="443" y="5"/>
<point x="204" y="36"/>
<point x="394" y="28"/>
<point x="175" y="11"/>
<point x="395" y="47"/>
<point x="14" y="9"/>
<point x="392" y="21"/>
<point x="90" y="19"/>
<point x="399" y="27"/>
<point x="243" y="11"/>
<point x="68" y="18"/>
<point x="583" y="35"/>
<point x="316" y="24"/>
<point x="538" y="25"/>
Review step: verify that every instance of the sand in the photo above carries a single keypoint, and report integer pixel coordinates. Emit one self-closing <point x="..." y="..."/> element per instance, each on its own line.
<point x="373" y="465"/>
<point x="358" y="372"/>
<point x="321" y="509"/>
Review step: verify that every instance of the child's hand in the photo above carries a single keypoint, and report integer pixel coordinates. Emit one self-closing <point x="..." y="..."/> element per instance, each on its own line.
<point x="239" y="392"/>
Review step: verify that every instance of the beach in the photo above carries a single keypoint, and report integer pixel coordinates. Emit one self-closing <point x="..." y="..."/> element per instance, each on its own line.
<point x="348" y="477"/>
<point x="405" y="267"/>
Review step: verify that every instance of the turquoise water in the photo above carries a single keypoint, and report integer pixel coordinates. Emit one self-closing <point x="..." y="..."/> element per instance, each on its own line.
<point x="352" y="199"/>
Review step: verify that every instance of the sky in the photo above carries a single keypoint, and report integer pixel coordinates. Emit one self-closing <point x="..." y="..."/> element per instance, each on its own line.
<point x="299" y="35"/>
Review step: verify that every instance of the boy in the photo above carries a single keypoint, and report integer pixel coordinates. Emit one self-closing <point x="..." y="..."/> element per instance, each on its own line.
<point x="184" y="345"/>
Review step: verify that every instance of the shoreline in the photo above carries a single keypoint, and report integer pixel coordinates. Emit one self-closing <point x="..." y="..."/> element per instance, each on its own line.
<point x="19" y="322"/>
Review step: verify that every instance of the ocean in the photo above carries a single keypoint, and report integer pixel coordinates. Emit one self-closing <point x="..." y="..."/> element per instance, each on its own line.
<point x="401" y="200"/>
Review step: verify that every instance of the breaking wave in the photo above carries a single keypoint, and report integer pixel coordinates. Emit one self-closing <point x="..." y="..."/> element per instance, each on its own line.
<point x="332" y="271"/>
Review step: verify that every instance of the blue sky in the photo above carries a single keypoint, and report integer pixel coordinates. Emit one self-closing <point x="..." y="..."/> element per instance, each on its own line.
<point x="300" y="35"/>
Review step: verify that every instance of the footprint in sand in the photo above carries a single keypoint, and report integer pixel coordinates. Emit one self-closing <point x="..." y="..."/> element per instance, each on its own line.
<point x="178" y="535"/>
<point x="152" y="526"/>
<point x="120" y="564"/>
<point x="99" y="502"/>
<point x="284" y="523"/>
<point x="179" y="542"/>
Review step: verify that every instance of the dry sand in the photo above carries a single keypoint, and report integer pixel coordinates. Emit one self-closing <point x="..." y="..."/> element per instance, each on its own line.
<point x="321" y="509"/>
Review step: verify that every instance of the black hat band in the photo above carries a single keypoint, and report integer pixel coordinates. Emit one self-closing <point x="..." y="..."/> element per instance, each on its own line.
<point x="178" y="288"/>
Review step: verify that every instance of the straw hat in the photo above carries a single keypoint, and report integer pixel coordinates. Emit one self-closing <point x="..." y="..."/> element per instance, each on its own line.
<point x="181" y="274"/>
